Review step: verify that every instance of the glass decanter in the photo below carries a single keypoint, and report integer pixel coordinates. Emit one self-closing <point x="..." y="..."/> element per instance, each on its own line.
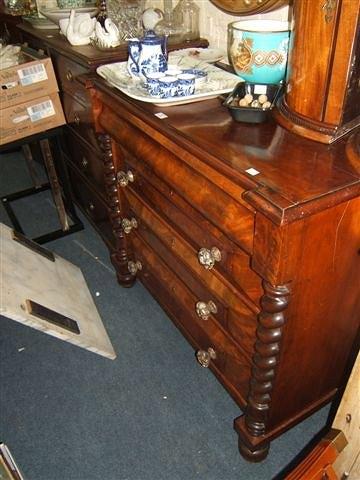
<point x="186" y="13"/>
<point x="167" y="26"/>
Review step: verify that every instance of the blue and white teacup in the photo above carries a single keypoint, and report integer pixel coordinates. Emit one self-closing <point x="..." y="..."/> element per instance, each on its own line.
<point x="200" y="75"/>
<point x="152" y="83"/>
<point x="168" y="86"/>
<point x="186" y="84"/>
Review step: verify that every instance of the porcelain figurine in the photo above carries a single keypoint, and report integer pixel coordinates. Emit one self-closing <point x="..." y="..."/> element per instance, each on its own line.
<point x="149" y="54"/>
<point x="80" y="28"/>
<point x="107" y="36"/>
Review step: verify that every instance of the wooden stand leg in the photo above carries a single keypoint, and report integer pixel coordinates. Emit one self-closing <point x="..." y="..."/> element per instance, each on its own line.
<point x="54" y="182"/>
<point x="26" y="150"/>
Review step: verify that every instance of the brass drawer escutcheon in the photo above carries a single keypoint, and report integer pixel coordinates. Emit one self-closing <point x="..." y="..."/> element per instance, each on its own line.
<point x="76" y="119"/>
<point x="207" y="257"/>
<point x="84" y="162"/>
<point x="134" y="267"/>
<point x="124" y="178"/>
<point x="204" y="310"/>
<point x="128" y="224"/>
<point x="204" y="357"/>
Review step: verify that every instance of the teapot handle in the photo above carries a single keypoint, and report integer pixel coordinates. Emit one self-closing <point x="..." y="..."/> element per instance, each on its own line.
<point x="133" y="59"/>
<point x="164" y="45"/>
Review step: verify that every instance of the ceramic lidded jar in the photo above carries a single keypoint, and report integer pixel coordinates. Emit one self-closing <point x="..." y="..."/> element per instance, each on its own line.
<point x="258" y="49"/>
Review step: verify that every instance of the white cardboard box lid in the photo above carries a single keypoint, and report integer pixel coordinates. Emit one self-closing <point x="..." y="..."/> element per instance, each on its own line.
<point x="56" y="285"/>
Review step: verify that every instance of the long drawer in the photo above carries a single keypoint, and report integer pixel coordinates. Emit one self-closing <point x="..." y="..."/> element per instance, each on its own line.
<point x="230" y="364"/>
<point x="229" y="305"/>
<point x="87" y="160"/>
<point x="92" y="205"/>
<point x="231" y="217"/>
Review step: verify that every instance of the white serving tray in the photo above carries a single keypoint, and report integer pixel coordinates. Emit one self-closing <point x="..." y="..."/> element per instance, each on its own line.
<point x="217" y="83"/>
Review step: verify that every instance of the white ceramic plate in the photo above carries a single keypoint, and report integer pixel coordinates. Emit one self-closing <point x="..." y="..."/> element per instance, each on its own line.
<point x="56" y="14"/>
<point x="218" y="82"/>
<point x="209" y="55"/>
<point x="41" y="23"/>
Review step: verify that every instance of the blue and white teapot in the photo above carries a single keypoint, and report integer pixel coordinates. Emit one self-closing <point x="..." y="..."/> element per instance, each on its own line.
<point x="147" y="55"/>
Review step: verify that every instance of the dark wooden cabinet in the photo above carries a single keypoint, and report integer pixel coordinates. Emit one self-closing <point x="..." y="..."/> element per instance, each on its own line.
<point x="261" y="273"/>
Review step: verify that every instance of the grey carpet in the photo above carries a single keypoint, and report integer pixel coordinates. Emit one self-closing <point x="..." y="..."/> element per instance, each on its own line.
<point x="152" y="414"/>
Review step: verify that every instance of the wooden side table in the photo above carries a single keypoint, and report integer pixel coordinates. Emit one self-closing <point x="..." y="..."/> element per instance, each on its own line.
<point x="57" y="182"/>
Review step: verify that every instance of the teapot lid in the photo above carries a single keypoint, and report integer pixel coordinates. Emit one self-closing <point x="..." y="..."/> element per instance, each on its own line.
<point x="150" y="38"/>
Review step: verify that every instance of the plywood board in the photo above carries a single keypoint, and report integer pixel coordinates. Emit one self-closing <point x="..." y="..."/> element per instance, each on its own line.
<point x="348" y="421"/>
<point x="26" y="275"/>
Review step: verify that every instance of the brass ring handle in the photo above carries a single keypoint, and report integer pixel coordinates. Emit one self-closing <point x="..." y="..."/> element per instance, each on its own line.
<point x="134" y="267"/>
<point x="69" y="76"/>
<point x="76" y="119"/>
<point x="204" y="310"/>
<point x="207" y="258"/>
<point x="124" y="178"/>
<point x="128" y="224"/>
<point x="91" y="207"/>
<point x="204" y="357"/>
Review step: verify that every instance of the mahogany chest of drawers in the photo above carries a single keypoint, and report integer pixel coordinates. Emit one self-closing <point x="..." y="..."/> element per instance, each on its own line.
<point x="260" y="272"/>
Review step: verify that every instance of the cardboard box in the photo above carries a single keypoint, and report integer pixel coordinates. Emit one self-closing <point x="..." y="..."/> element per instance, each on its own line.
<point x="34" y="77"/>
<point x="28" y="118"/>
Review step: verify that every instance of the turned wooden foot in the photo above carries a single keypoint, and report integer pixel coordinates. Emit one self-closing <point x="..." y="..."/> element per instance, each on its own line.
<point x="124" y="277"/>
<point x="256" y="455"/>
<point x="253" y="448"/>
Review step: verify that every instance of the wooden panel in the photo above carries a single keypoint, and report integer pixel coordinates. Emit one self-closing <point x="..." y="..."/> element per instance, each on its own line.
<point x="307" y="98"/>
<point x="347" y="34"/>
<point x="348" y="421"/>
<point x="323" y="312"/>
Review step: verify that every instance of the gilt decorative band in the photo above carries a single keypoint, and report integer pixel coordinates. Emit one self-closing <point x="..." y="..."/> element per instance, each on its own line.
<point x="270" y="323"/>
